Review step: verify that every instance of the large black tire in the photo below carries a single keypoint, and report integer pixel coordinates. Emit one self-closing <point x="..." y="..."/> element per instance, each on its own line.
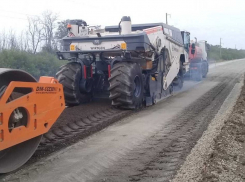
<point x="126" y="85"/>
<point x="198" y="75"/>
<point x="205" y="69"/>
<point x="70" y="76"/>
<point x="179" y="80"/>
<point x="181" y="76"/>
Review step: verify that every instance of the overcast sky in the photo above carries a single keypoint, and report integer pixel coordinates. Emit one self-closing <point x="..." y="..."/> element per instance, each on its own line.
<point x="205" y="19"/>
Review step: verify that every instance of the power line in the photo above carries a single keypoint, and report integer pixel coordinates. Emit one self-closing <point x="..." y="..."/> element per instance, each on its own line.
<point x="82" y="3"/>
<point x="167" y="17"/>
<point x="17" y="12"/>
<point x="221" y="43"/>
<point x="13" y="17"/>
<point x="89" y="5"/>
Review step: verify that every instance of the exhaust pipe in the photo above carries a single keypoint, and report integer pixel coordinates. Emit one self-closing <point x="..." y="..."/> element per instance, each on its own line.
<point x="125" y="25"/>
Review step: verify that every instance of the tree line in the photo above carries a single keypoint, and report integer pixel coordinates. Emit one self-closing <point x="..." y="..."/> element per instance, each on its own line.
<point x="33" y="49"/>
<point x="39" y="64"/>
<point x="42" y="34"/>
<point x="215" y="53"/>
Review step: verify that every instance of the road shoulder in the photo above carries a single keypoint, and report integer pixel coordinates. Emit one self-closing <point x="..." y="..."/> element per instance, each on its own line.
<point x="218" y="153"/>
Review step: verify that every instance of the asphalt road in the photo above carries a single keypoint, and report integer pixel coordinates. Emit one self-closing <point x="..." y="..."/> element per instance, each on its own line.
<point x="150" y="145"/>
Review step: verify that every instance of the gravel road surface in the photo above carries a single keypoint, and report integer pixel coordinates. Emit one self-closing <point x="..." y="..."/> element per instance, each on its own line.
<point x="150" y="145"/>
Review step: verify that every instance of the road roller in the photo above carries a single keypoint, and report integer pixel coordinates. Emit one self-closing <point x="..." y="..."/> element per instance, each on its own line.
<point x="28" y="109"/>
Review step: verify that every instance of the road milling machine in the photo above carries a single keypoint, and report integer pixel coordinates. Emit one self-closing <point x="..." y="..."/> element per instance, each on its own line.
<point x="134" y="64"/>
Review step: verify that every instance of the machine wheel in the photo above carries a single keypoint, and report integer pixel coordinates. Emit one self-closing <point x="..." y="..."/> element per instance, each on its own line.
<point x="70" y="76"/>
<point x="126" y="85"/>
<point x="14" y="157"/>
<point x="179" y="80"/>
<point x="198" y="75"/>
<point x="205" y="70"/>
<point x="181" y="76"/>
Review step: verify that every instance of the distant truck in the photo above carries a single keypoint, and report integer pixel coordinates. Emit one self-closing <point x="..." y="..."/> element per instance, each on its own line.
<point x="198" y="58"/>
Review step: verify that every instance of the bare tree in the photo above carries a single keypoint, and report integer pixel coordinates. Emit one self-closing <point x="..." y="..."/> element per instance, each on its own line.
<point x="8" y="40"/>
<point x="12" y="40"/>
<point x="23" y="41"/>
<point x="39" y="35"/>
<point x="48" y="21"/>
<point x="35" y="30"/>
<point x="3" y="40"/>
<point x="61" y="29"/>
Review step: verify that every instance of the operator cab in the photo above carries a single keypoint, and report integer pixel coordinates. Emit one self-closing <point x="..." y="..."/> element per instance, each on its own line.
<point x="186" y="40"/>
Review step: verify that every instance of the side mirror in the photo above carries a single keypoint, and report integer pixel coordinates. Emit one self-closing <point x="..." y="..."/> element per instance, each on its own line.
<point x="193" y="46"/>
<point x="192" y="51"/>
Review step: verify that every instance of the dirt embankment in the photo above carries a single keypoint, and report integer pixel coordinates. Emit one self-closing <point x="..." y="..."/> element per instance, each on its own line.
<point x="227" y="161"/>
<point x="219" y="155"/>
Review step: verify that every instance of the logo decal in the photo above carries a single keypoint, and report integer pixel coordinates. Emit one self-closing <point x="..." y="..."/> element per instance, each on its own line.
<point x="175" y="48"/>
<point x="96" y="42"/>
<point x="46" y="90"/>
<point x="97" y="48"/>
<point x="116" y="47"/>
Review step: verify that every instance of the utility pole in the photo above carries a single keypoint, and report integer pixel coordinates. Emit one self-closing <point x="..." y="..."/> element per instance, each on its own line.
<point x="220" y="49"/>
<point x="167" y="17"/>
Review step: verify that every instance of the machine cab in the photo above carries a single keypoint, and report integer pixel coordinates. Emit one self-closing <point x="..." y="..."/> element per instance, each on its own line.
<point x="186" y="40"/>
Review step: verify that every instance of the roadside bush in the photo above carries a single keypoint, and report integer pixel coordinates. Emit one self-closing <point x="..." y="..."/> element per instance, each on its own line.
<point x="226" y="54"/>
<point x="40" y="64"/>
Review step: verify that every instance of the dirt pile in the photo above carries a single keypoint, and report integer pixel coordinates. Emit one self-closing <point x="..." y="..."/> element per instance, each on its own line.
<point x="217" y="153"/>
<point x="227" y="161"/>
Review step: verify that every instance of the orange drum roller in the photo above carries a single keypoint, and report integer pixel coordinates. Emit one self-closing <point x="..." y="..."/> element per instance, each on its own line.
<point x="28" y="109"/>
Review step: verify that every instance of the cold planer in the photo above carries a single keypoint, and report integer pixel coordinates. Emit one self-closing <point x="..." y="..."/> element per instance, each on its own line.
<point x="134" y="64"/>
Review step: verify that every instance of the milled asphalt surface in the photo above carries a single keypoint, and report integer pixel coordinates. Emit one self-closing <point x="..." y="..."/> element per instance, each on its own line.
<point x="196" y="162"/>
<point x="150" y="145"/>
